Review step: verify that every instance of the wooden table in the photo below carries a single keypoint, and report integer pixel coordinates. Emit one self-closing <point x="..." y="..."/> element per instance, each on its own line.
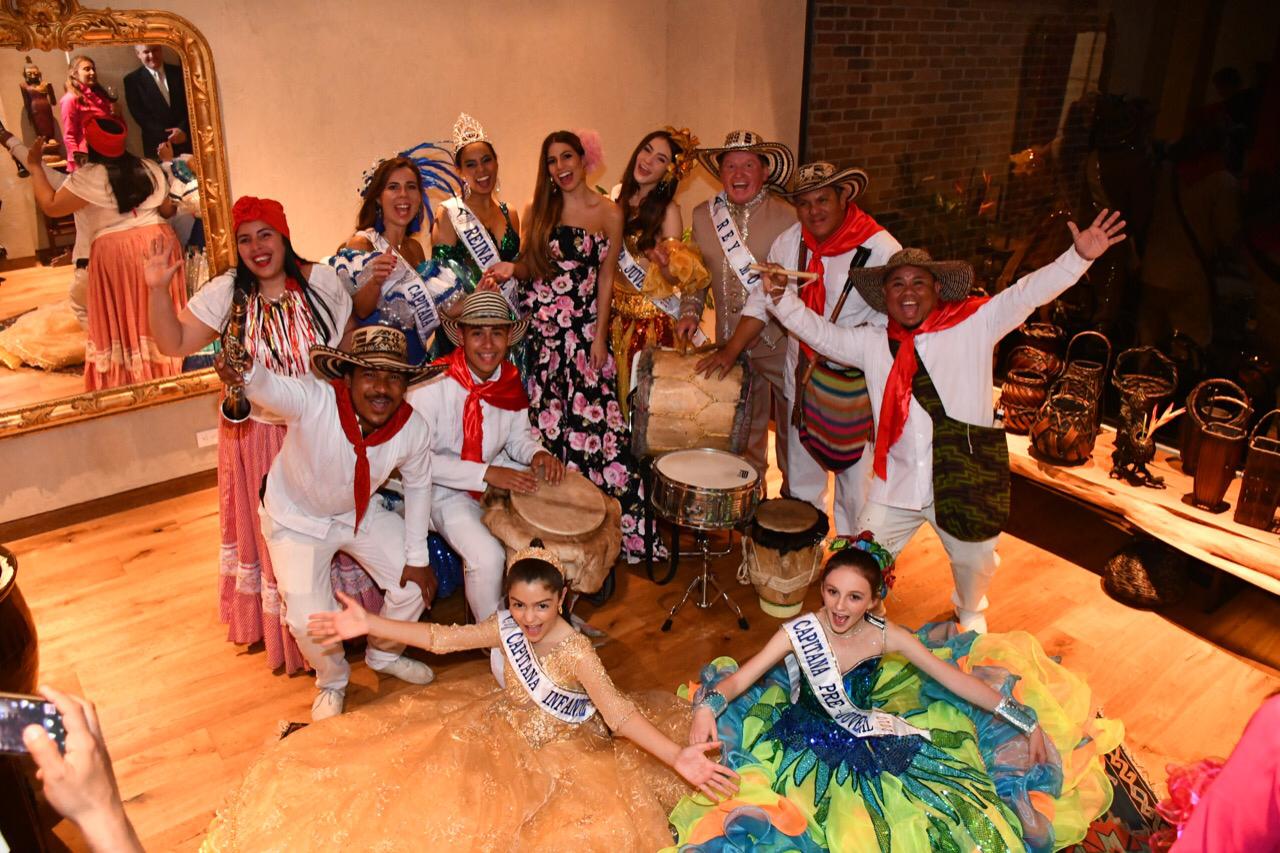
<point x="1246" y="552"/>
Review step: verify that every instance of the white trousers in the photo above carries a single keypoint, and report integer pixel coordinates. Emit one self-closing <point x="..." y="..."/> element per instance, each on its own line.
<point x="301" y="564"/>
<point x="484" y="560"/>
<point x="973" y="564"/>
<point x="808" y="482"/>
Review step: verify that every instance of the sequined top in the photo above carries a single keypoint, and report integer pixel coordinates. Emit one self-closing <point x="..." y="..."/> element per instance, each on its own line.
<point x="572" y="663"/>
<point x="508" y="249"/>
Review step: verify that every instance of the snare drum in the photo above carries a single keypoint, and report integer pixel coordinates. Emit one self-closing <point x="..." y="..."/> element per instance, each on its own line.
<point x="782" y="554"/>
<point x="573" y="518"/>
<point x="676" y="407"/>
<point x="705" y="489"/>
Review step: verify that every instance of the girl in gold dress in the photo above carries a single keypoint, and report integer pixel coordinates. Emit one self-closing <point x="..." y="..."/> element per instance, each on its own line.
<point x="531" y="766"/>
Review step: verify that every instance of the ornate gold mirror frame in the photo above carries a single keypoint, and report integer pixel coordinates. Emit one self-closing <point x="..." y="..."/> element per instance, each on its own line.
<point x="64" y="25"/>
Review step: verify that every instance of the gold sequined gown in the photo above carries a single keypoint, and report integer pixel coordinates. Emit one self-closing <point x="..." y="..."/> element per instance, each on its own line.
<point x="465" y="765"/>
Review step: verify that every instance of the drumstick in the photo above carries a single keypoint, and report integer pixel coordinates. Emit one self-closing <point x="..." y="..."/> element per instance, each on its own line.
<point x="796" y="274"/>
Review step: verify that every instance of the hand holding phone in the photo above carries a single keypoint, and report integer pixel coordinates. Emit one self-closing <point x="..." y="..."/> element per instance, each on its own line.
<point x="17" y="712"/>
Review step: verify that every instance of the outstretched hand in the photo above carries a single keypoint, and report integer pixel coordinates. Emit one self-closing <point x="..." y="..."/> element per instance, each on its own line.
<point x="715" y="780"/>
<point x="1107" y="230"/>
<point x="156" y="269"/>
<point x="333" y="627"/>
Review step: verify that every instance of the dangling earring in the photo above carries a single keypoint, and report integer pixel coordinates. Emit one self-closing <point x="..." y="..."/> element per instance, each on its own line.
<point x="378" y="224"/>
<point x="552" y="183"/>
<point x="466" y="190"/>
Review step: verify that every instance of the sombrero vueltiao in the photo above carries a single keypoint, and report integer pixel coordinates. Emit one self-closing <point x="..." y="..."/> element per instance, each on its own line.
<point x="778" y="158"/>
<point x="955" y="277"/>
<point x="815" y="176"/>
<point x="484" y="308"/>
<point x="373" y="348"/>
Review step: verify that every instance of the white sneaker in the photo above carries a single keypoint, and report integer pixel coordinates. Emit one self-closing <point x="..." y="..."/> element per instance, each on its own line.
<point x="406" y="669"/>
<point x="971" y="621"/>
<point x="328" y="703"/>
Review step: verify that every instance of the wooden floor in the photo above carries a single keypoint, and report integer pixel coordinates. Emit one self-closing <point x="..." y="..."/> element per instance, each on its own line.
<point x="127" y="613"/>
<point x="22" y="290"/>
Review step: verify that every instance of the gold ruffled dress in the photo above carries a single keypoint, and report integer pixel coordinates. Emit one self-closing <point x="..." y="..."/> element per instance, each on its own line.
<point x="465" y="765"/>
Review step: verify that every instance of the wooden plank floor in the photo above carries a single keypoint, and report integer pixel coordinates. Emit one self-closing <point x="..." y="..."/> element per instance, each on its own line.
<point x="22" y="290"/>
<point x="127" y="613"/>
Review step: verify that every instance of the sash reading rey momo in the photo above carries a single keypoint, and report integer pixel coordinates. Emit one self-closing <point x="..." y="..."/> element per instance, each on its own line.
<point x="479" y="244"/>
<point x="570" y="706"/>
<point x="815" y="659"/>
<point x="731" y="243"/>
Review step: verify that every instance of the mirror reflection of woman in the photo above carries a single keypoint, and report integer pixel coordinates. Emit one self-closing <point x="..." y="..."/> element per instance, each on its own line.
<point x="654" y="253"/>
<point x="294" y="304"/>
<point x="384" y="256"/>
<point x="123" y="201"/>
<point x="499" y="241"/>
<point x="466" y="765"/>
<point x="84" y="99"/>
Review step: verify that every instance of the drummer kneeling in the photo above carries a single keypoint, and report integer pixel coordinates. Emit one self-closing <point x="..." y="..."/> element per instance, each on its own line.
<point x="479" y="415"/>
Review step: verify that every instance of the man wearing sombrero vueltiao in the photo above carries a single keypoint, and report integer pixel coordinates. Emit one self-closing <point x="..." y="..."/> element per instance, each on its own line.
<point x="349" y="427"/>
<point x="479" y="416"/>
<point x="932" y="366"/>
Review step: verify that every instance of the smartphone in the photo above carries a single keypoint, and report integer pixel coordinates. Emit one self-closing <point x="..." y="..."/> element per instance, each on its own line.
<point x="18" y="711"/>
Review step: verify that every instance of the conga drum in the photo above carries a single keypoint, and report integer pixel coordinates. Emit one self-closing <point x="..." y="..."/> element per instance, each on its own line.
<point x="573" y="518"/>
<point x="677" y="408"/>
<point x="782" y="554"/>
<point x="706" y="489"/>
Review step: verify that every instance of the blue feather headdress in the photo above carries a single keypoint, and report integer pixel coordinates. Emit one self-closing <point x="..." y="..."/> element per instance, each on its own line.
<point x="435" y="172"/>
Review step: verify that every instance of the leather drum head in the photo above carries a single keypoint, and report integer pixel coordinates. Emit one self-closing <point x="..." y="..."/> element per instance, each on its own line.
<point x="573" y="507"/>
<point x="786" y="515"/>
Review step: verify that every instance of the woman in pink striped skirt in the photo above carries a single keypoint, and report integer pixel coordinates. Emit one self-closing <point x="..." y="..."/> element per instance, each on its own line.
<point x="123" y="200"/>
<point x="293" y="305"/>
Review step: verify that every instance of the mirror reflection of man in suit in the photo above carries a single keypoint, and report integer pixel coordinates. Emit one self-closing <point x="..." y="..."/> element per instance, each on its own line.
<point x="157" y="99"/>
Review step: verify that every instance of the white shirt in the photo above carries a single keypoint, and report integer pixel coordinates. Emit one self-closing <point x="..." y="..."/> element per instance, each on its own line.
<point x="102" y="215"/>
<point x="508" y="437"/>
<point x="161" y="82"/>
<point x="959" y="360"/>
<point x="786" y="252"/>
<point x="310" y="485"/>
<point x="211" y="304"/>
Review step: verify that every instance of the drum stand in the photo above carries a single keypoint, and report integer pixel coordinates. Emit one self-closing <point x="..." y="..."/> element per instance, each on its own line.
<point x="703" y="582"/>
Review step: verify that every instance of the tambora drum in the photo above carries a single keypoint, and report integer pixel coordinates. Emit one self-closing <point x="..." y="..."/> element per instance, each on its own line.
<point x="676" y="408"/>
<point x="782" y="554"/>
<point x="573" y="518"/>
<point x="705" y="489"/>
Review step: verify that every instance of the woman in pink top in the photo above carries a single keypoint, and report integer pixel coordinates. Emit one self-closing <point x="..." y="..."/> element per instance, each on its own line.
<point x="83" y="100"/>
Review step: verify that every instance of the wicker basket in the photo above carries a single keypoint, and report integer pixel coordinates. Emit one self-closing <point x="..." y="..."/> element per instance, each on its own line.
<point x="1021" y="396"/>
<point x="1065" y="429"/>
<point x="1146" y="574"/>
<point x="1083" y="376"/>
<point x="1212" y="401"/>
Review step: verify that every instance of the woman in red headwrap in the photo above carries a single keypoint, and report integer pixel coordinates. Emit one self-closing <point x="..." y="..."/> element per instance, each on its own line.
<point x="123" y="200"/>
<point x="293" y="304"/>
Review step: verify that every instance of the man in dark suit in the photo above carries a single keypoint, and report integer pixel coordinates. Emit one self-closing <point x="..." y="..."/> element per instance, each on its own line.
<point x="157" y="99"/>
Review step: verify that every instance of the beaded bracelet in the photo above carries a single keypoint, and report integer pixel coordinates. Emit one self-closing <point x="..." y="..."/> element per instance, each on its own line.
<point x="1017" y="715"/>
<point x="712" y="699"/>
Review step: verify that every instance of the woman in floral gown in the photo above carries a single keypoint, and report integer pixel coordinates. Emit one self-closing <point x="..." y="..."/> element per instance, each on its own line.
<point x="571" y="245"/>
<point x="921" y="742"/>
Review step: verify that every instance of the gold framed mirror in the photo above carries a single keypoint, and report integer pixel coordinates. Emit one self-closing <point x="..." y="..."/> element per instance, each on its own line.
<point x="29" y="26"/>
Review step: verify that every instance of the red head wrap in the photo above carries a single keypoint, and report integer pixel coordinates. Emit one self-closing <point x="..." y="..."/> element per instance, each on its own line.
<point x="105" y="136"/>
<point x="250" y="208"/>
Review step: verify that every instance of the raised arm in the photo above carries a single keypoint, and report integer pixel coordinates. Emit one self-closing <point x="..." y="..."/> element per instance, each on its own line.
<point x="175" y="334"/>
<point x="353" y="621"/>
<point x="283" y="395"/>
<point x="54" y="203"/>
<point x="707" y="707"/>
<point x="847" y="346"/>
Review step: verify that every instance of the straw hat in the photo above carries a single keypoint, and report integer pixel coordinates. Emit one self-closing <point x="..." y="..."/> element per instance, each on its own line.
<point x="815" y="176"/>
<point x="778" y="158"/>
<point x="484" y="308"/>
<point x="373" y="348"/>
<point x="955" y="277"/>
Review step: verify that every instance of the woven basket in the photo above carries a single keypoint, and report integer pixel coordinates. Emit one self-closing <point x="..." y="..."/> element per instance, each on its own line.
<point x="1021" y="396"/>
<point x="1146" y="574"/>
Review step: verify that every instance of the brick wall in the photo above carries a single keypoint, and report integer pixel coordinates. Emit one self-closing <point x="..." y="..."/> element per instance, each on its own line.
<point x="923" y="94"/>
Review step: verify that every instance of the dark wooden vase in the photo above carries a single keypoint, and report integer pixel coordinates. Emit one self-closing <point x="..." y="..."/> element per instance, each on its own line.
<point x="1086" y="377"/>
<point x="1211" y="401"/>
<point x="1221" y="447"/>
<point x="1065" y="429"/>
<point x="1021" y="396"/>
<point x="19" y="657"/>
<point x="1260" y="483"/>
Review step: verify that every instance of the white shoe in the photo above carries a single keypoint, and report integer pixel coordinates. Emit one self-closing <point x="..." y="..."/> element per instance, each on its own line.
<point x="971" y="621"/>
<point x="406" y="669"/>
<point x="328" y="703"/>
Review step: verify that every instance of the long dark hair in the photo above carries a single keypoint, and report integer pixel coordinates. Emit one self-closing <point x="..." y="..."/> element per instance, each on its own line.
<point x="246" y="281"/>
<point x="370" y="208"/>
<point x="548" y="204"/>
<point x="131" y="181"/>
<point x="645" y="221"/>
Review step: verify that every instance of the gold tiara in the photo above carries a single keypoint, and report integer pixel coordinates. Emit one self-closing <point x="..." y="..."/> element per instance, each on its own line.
<point x="467" y="130"/>
<point x="535" y="553"/>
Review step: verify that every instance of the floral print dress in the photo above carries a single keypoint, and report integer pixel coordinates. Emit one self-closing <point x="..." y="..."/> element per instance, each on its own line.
<point x="573" y="406"/>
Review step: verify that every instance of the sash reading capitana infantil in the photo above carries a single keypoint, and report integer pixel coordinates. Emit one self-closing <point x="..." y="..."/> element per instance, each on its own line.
<point x="571" y="706"/>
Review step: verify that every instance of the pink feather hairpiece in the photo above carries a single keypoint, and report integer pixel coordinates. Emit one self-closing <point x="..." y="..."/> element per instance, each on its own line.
<point x="592" y="147"/>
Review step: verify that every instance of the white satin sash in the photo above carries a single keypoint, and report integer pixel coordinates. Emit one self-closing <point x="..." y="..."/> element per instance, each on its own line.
<point x="570" y="706"/>
<point x="479" y="244"/>
<point x="731" y="243"/>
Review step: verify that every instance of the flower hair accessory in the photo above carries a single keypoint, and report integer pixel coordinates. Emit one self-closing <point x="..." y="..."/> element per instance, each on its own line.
<point x="681" y="164"/>
<point x="435" y="172"/>
<point x="864" y="541"/>
<point x="592" y="148"/>
<point x="533" y="552"/>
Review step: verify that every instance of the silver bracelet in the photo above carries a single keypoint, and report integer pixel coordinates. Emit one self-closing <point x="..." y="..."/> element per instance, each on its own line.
<point x="1017" y="715"/>
<point x="712" y="699"/>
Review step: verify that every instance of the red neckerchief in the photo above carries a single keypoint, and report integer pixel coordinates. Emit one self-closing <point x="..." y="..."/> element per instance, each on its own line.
<point x="897" y="390"/>
<point x="351" y="429"/>
<point x="505" y="392"/>
<point x="857" y="228"/>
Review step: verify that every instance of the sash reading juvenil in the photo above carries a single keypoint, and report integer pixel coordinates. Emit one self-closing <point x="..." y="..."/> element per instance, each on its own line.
<point x="732" y="244"/>
<point x="571" y="706"/>
<point x="478" y="243"/>
<point x="814" y="657"/>
<point x="669" y="305"/>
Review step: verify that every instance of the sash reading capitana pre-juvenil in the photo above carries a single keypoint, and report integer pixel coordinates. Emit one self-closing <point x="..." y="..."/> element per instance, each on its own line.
<point x="571" y="706"/>
<point x="732" y="244"/>
<point x="479" y="244"/>
<point x="814" y="657"/>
